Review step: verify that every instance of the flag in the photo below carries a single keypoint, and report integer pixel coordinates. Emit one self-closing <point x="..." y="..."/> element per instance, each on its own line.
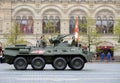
<point x="76" y="30"/>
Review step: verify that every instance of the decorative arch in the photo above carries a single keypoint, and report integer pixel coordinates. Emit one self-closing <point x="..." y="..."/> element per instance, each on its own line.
<point x="80" y="12"/>
<point x="51" y="15"/>
<point x="105" y="44"/>
<point x="81" y="8"/>
<point x="102" y="8"/>
<point x="21" y="8"/>
<point x="51" y="7"/>
<point x="107" y="15"/>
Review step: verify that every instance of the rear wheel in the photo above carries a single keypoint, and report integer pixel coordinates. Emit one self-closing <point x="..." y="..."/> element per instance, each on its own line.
<point x="59" y="63"/>
<point x="20" y="63"/>
<point x="77" y="63"/>
<point x="38" y="63"/>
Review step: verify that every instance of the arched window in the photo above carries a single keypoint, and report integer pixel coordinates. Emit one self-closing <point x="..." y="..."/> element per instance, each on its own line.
<point x="57" y="24"/>
<point x="45" y="20"/>
<point x="18" y="19"/>
<point x="51" y="19"/>
<point x="72" y="24"/>
<point x="79" y="23"/>
<point x="110" y="24"/>
<point x="104" y="25"/>
<point x="26" y="23"/>
<point x="51" y="25"/>
<point x="30" y="24"/>
<point x="98" y="24"/>
<point x="84" y="24"/>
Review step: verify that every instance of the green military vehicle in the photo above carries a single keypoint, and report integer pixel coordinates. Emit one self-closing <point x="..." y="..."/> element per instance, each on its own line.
<point x="59" y="55"/>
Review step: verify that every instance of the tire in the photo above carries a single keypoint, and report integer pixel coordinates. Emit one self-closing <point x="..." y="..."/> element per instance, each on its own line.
<point x="77" y="63"/>
<point x="59" y="63"/>
<point x="20" y="63"/>
<point x="38" y="63"/>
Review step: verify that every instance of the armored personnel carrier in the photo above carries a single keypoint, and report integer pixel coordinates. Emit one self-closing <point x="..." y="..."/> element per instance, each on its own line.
<point x="59" y="55"/>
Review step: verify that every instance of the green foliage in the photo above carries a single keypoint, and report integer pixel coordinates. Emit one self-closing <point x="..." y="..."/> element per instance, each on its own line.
<point x="83" y="26"/>
<point x="49" y="26"/>
<point x="117" y="30"/>
<point x="117" y="27"/>
<point x="92" y="35"/>
<point x="50" y="29"/>
<point x="16" y="36"/>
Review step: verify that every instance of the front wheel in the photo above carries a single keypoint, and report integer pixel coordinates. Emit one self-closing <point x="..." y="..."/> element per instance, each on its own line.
<point x="77" y="63"/>
<point x="59" y="63"/>
<point x="38" y="63"/>
<point x="20" y="63"/>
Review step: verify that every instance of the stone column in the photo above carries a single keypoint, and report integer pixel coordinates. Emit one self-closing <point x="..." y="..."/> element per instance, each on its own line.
<point x="37" y="27"/>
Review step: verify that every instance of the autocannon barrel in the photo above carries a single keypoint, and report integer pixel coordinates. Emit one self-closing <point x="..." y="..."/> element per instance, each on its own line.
<point x="58" y="39"/>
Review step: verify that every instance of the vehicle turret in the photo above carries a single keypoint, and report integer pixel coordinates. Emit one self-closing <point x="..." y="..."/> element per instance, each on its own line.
<point x="58" y="39"/>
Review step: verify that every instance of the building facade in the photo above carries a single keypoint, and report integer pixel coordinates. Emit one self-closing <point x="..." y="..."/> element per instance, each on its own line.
<point x="33" y="15"/>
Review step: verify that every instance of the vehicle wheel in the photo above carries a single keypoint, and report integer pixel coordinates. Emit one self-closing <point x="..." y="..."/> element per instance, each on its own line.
<point x="77" y="63"/>
<point x="38" y="63"/>
<point x="20" y="63"/>
<point x="59" y="63"/>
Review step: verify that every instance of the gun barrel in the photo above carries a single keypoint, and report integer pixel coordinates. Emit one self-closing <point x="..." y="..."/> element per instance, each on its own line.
<point x="66" y="35"/>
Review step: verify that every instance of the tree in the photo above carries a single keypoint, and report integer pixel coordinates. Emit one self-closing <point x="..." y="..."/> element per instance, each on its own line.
<point x="92" y="35"/>
<point x="83" y="27"/>
<point x="16" y="36"/>
<point x="117" y="30"/>
<point x="49" y="27"/>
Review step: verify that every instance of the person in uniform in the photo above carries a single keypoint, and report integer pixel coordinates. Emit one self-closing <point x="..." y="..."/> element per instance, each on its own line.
<point x="43" y="42"/>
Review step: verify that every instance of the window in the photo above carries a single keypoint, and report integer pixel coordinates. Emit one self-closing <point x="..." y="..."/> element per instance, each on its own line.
<point x="82" y="24"/>
<point x="72" y="24"/>
<point x="30" y="24"/>
<point x="26" y="23"/>
<point x="51" y="25"/>
<point x="18" y="19"/>
<point x="110" y="24"/>
<point x="57" y="23"/>
<point x="45" y="21"/>
<point x="52" y="28"/>
<point x="79" y="23"/>
<point x="104" y="25"/>
<point x="98" y="25"/>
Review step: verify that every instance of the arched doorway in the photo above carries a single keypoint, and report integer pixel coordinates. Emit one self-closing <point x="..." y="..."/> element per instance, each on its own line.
<point x="104" y="47"/>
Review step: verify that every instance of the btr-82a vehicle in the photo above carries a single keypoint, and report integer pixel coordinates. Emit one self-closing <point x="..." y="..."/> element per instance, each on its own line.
<point x="59" y="55"/>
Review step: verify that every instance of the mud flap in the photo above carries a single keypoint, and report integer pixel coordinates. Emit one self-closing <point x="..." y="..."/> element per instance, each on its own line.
<point x="2" y="59"/>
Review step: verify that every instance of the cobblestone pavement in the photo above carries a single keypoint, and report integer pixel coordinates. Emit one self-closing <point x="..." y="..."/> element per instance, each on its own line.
<point x="92" y="73"/>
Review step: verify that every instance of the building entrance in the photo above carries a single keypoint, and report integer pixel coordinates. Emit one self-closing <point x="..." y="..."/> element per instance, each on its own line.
<point x="105" y="47"/>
